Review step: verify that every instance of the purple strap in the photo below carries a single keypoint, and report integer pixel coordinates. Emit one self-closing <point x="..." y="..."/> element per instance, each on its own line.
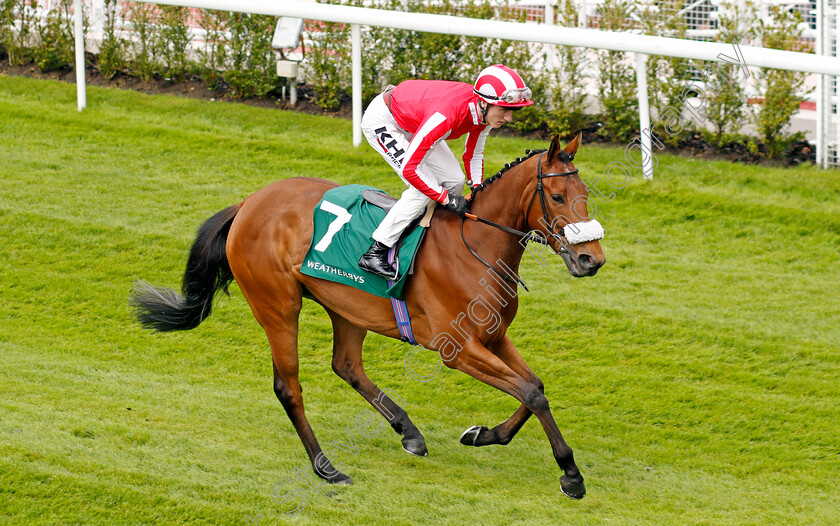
<point x="400" y="309"/>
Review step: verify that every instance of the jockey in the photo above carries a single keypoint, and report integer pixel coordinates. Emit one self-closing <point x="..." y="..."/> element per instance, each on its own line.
<point x="409" y="125"/>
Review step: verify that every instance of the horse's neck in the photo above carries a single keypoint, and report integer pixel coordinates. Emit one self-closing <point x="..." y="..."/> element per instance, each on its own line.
<point x="501" y="202"/>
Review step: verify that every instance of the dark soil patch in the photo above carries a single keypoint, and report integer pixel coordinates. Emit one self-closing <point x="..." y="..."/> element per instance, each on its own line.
<point x="193" y="87"/>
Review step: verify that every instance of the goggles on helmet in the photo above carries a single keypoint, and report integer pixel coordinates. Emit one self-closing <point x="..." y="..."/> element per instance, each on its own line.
<point x="511" y="96"/>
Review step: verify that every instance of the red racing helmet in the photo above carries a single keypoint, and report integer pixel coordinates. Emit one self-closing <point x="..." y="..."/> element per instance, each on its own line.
<point x="500" y="85"/>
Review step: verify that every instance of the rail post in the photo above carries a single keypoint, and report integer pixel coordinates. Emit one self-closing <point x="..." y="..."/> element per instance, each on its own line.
<point x="644" y="115"/>
<point x="356" y="37"/>
<point x="81" y="92"/>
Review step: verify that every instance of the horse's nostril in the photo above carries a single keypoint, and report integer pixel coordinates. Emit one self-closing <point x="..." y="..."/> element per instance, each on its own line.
<point x="587" y="261"/>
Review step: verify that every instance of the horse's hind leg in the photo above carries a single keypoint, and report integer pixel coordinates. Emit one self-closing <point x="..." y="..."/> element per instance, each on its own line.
<point x="347" y="363"/>
<point x="278" y="311"/>
<point x="289" y="392"/>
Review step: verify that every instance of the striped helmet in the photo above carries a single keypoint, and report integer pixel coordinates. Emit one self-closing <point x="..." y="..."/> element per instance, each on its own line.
<point x="502" y="86"/>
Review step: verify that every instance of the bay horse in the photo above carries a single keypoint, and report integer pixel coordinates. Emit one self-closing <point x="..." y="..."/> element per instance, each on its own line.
<point x="262" y="241"/>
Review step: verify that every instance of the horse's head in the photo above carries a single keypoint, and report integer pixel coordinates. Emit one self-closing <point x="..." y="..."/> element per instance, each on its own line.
<point x="557" y="209"/>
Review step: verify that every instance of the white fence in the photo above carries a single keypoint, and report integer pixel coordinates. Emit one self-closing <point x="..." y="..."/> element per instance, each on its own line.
<point x="827" y="66"/>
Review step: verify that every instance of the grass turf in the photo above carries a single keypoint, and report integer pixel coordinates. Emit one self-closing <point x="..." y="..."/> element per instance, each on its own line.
<point x="695" y="376"/>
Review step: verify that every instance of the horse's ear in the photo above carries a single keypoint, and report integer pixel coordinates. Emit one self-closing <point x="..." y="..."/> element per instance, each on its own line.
<point x="573" y="146"/>
<point x="554" y="149"/>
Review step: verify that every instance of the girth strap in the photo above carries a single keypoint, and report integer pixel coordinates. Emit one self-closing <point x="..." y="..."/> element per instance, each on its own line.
<point x="400" y="308"/>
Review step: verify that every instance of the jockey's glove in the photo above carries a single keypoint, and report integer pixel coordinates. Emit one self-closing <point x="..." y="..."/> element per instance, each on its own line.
<point x="458" y="204"/>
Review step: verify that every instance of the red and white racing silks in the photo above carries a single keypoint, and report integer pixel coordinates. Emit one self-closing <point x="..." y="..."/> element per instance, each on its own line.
<point x="436" y="110"/>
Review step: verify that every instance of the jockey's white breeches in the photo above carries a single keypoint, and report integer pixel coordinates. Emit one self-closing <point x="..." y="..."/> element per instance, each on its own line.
<point x="439" y="164"/>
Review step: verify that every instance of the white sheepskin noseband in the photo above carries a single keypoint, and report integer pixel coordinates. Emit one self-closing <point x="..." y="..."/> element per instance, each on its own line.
<point x="583" y="232"/>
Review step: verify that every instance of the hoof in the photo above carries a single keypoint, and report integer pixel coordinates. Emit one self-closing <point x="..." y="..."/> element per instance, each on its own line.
<point x="574" y="491"/>
<point x="470" y="436"/>
<point x="340" y="480"/>
<point x="415" y="446"/>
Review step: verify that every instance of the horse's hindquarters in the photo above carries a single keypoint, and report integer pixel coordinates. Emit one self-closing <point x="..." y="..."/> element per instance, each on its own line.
<point x="268" y="241"/>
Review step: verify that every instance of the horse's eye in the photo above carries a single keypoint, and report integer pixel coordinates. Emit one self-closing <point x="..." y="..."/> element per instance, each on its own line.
<point x="558" y="198"/>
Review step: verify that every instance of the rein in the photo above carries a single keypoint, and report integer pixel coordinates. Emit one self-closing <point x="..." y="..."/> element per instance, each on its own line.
<point x="488" y="265"/>
<point x="539" y="189"/>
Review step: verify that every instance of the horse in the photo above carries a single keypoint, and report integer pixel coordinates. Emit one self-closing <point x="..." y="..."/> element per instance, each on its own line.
<point x="262" y="241"/>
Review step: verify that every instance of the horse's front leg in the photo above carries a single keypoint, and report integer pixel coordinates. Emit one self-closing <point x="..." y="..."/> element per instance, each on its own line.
<point x="503" y="433"/>
<point x="480" y="363"/>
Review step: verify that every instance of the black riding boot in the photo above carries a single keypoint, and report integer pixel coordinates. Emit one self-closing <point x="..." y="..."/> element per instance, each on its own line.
<point x="375" y="260"/>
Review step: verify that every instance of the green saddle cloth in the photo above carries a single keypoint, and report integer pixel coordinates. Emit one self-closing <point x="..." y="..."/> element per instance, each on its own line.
<point x="344" y="222"/>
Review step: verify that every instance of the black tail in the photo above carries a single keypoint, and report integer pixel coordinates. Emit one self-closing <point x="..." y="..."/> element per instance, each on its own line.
<point x="207" y="271"/>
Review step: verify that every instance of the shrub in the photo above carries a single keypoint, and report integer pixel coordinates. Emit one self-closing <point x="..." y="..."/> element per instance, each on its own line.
<point x="518" y="56"/>
<point x="329" y="62"/>
<point x="616" y="81"/>
<point x="482" y="52"/>
<point x="727" y="108"/>
<point x="251" y="67"/>
<point x="215" y="46"/>
<point x="478" y="53"/>
<point x="433" y="55"/>
<point x="772" y="117"/>
<point x="143" y="18"/>
<point x="401" y="48"/>
<point x="374" y="58"/>
<point x="414" y="54"/>
<point x="173" y="39"/>
<point x="18" y="45"/>
<point x="6" y="18"/>
<point x="568" y="99"/>
<point x="666" y="75"/>
<point x="112" y="50"/>
<point x="56" y="49"/>
<point x="475" y="49"/>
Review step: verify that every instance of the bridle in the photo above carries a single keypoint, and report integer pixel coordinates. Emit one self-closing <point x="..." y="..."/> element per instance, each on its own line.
<point x="539" y="189"/>
<point x="548" y="217"/>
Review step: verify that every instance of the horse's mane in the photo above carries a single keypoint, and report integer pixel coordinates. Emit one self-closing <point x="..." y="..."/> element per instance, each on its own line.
<point x="508" y="166"/>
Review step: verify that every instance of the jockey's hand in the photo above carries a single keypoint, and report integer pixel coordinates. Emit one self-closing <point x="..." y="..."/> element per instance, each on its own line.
<point x="458" y="204"/>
